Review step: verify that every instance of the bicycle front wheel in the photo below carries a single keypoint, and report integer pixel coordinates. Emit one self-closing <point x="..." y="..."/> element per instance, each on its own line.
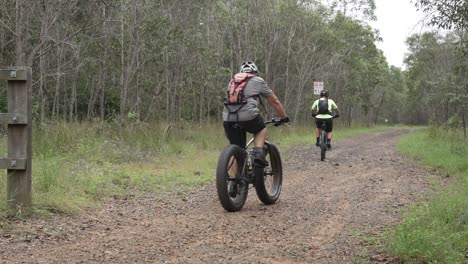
<point x="269" y="180"/>
<point x="232" y="191"/>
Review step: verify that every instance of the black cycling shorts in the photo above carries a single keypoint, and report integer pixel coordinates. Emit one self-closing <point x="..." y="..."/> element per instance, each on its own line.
<point x="328" y="124"/>
<point x="236" y="132"/>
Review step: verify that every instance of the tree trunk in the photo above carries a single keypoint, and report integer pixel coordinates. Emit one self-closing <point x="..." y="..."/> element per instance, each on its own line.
<point x="378" y="108"/>
<point x="349" y="114"/>
<point x="463" y="121"/>
<point x="123" y="73"/>
<point x="73" y="101"/>
<point x="56" y="105"/>
<point x="19" y="33"/>
<point x="92" y="99"/>
<point x="42" y="87"/>
<point x="287" y="88"/>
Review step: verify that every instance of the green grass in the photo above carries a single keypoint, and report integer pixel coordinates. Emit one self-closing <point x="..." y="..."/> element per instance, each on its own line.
<point x="436" y="230"/>
<point x="75" y="165"/>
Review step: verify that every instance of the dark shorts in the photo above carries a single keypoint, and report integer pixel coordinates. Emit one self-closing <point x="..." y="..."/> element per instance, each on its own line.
<point x="236" y="132"/>
<point x="328" y="124"/>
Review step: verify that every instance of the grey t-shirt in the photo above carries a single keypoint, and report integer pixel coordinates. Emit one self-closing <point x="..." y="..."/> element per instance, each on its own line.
<point x="255" y="86"/>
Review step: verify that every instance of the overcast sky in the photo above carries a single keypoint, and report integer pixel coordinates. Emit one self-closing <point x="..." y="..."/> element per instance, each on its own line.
<point x="396" y="20"/>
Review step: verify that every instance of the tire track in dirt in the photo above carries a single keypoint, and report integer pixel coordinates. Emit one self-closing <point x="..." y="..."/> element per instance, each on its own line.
<point x="324" y="210"/>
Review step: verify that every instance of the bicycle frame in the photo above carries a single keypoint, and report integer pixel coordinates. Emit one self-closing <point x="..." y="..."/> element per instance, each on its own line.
<point x="323" y="127"/>
<point x="323" y="139"/>
<point x="248" y="175"/>
<point x="248" y="178"/>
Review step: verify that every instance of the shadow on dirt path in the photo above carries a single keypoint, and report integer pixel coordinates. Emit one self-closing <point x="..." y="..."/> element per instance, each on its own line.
<point x="324" y="212"/>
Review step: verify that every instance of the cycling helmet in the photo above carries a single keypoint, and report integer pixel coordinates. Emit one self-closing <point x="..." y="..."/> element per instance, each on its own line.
<point x="324" y="93"/>
<point x="248" y="67"/>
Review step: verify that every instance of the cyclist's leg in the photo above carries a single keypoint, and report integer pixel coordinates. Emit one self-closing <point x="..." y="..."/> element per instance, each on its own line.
<point x="318" y="125"/>
<point x="260" y="138"/>
<point x="237" y="136"/>
<point x="257" y="127"/>
<point x="329" y="129"/>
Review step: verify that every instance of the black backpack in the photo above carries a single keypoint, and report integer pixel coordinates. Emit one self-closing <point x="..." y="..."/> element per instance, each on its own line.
<point x="323" y="106"/>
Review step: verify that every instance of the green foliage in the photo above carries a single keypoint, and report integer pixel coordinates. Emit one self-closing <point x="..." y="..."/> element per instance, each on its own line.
<point x="436" y="79"/>
<point x="445" y="13"/>
<point x="3" y="98"/>
<point x="436" y="230"/>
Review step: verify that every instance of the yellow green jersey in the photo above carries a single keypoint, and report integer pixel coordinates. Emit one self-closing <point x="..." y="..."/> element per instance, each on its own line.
<point x="331" y="106"/>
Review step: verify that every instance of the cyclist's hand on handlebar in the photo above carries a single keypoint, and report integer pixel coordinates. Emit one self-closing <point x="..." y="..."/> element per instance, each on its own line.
<point x="285" y="120"/>
<point x="279" y="122"/>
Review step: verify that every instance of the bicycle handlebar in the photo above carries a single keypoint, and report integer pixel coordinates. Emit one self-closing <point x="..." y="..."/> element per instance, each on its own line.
<point x="275" y="122"/>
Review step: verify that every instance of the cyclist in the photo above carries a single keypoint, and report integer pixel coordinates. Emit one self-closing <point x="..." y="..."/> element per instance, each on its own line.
<point x="245" y="116"/>
<point x="322" y="110"/>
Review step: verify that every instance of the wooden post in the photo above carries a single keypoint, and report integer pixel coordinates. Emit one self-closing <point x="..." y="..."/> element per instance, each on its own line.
<point x="18" y="163"/>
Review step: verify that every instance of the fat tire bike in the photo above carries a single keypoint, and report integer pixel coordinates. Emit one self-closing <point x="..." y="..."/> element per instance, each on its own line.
<point x="236" y="171"/>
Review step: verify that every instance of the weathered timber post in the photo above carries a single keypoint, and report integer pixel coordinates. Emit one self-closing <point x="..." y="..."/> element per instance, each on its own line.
<point x="18" y="162"/>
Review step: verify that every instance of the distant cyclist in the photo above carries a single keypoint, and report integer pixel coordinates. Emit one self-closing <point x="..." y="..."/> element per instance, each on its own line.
<point x="241" y="110"/>
<point x="322" y="110"/>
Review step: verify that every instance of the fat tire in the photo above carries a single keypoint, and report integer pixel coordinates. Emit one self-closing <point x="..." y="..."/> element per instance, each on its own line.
<point x="323" y="145"/>
<point x="277" y="169"/>
<point x="229" y="203"/>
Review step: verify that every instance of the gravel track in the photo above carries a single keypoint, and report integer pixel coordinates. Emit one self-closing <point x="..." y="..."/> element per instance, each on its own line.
<point x="324" y="214"/>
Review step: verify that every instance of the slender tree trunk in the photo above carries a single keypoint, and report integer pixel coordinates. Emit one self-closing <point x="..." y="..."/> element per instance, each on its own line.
<point x="104" y="69"/>
<point x="287" y="88"/>
<point x="463" y="121"/>
<point x="56" y="105"/>
<point x="19" y="33"/>
<point x="137" y="58"/>
<point x="123" y="77"/>
<point x="73" y="101"/>
<point x="102" y="93"/>
<point x="202" y="101"/>
<point x="378" y="108"/>
<point x="42" y="87"/>
<point x="349" y="115"/>
<point x="168" y="89"/>
<point x="92" y="99"/>
<point x="65" y="98"/>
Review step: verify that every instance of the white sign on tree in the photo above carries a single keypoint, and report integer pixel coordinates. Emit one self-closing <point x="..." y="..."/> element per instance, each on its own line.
<point x="318" y="87"/>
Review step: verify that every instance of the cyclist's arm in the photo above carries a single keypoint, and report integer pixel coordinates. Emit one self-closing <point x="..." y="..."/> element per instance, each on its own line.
<point x="276" y="104"/>
<point x="314" y="108"/>
<point x="335" y="108"/>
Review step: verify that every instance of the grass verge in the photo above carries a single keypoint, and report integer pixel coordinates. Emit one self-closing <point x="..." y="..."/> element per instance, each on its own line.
<point x="436" y="229"/>
<point x="77" y="164"/>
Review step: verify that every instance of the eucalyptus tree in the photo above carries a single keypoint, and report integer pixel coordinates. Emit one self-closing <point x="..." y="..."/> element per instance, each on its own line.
<point x="450" y="63"/>
<point x="447" y="14"/>
<point x="172" y="59"/>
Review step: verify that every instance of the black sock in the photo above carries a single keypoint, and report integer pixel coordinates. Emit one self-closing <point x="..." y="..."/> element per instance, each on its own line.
<point x="318" y="140"/>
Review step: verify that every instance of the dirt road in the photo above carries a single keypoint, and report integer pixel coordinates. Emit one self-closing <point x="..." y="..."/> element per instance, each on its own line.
<point x="324" y="214"/>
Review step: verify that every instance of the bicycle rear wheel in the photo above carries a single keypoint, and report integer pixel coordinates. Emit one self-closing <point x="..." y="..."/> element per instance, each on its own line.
<point x="269" y="180"/>
<point x="323" y="144"/>
<point x="232" y="191"/>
